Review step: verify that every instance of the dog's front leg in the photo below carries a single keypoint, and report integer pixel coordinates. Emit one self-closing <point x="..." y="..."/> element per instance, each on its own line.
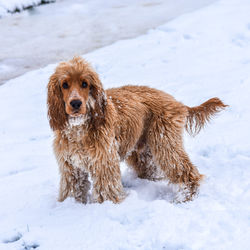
<point x="106" y="178"/>
<point x="65" y="185"/>
<point x="74" y="182"/>
<point x="80" y="185"/>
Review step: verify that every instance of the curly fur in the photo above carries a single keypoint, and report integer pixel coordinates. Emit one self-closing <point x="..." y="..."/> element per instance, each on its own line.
<point x="138" y="124"/>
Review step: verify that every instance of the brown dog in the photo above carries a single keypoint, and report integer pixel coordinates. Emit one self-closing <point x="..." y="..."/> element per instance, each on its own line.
<point x="96" y="129"/>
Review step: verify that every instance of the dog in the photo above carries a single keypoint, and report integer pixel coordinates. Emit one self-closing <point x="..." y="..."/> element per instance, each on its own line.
<point x="96" y="129"/>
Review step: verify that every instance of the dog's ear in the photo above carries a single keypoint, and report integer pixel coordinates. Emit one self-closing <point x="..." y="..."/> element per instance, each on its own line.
<point x="97" y="92"/>
<point x="56" y="107"/>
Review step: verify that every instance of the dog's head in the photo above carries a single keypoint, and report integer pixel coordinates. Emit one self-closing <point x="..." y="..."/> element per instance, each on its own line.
<point x="75" y="90"/>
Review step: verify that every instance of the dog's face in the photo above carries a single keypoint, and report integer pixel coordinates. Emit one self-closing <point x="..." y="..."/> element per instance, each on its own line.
<point x="75" y="92"/>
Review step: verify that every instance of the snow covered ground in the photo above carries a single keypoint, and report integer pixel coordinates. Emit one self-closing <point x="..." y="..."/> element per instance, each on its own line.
<point x="194" y="57"/>
<point x="11" y="6"/>
<point x="54" y="32"/>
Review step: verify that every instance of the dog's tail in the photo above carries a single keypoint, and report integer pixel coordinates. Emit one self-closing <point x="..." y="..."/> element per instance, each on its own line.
<point x="198" y="116"/>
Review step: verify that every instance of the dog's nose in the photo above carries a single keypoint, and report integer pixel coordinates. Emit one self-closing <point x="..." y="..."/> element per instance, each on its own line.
<point x="76" y="104"/>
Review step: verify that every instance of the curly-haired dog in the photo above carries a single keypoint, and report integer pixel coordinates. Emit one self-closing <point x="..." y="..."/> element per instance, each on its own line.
<point x="96" y="129"/>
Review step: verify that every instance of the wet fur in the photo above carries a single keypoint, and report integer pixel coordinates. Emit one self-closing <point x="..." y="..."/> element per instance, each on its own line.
<point x="138" y="124"/>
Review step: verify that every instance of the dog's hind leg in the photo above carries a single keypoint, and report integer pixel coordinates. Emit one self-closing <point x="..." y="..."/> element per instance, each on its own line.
<point x="143" y="164"/>
<point x="165" y="142"/>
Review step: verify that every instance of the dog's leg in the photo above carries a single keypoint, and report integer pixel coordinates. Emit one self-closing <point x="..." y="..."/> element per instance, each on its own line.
<point x="107" y="184"/>
<point x="165" y="142"/>
<point x="106" y="176"/>
<point x="74" y="182"/>
<point x="65" y="181"/>
<point x="80" y="185"/>
<point x="143" y="164"/>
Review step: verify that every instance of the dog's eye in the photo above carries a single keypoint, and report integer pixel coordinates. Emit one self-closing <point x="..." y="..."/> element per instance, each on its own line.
<point x="65" y="85"/>
<point x="84" y="84"/>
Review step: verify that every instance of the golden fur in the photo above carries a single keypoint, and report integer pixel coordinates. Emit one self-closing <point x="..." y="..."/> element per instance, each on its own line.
<point x="138" y="124"/>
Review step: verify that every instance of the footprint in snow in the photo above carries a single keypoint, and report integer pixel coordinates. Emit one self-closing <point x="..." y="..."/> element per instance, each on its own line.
<point x="12" y="238"/>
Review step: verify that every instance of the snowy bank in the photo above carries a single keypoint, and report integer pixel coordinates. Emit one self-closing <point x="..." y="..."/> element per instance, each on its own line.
<point x="67" y="27"/>
<point x="12" y="6"/>
<point x="195" y="57"/>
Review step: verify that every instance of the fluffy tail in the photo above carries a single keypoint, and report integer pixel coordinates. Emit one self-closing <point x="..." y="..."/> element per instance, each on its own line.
<point x="198" y="116"/>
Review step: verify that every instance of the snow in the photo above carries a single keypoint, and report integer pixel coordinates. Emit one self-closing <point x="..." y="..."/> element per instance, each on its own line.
<point x="18" y="5"/>
<point x="194" y="57"/>
<point x="69" y="27"/>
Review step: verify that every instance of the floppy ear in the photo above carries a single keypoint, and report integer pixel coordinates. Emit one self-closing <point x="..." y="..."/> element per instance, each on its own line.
<point x="99" y="110"/>
<point x="56" y="107"/>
